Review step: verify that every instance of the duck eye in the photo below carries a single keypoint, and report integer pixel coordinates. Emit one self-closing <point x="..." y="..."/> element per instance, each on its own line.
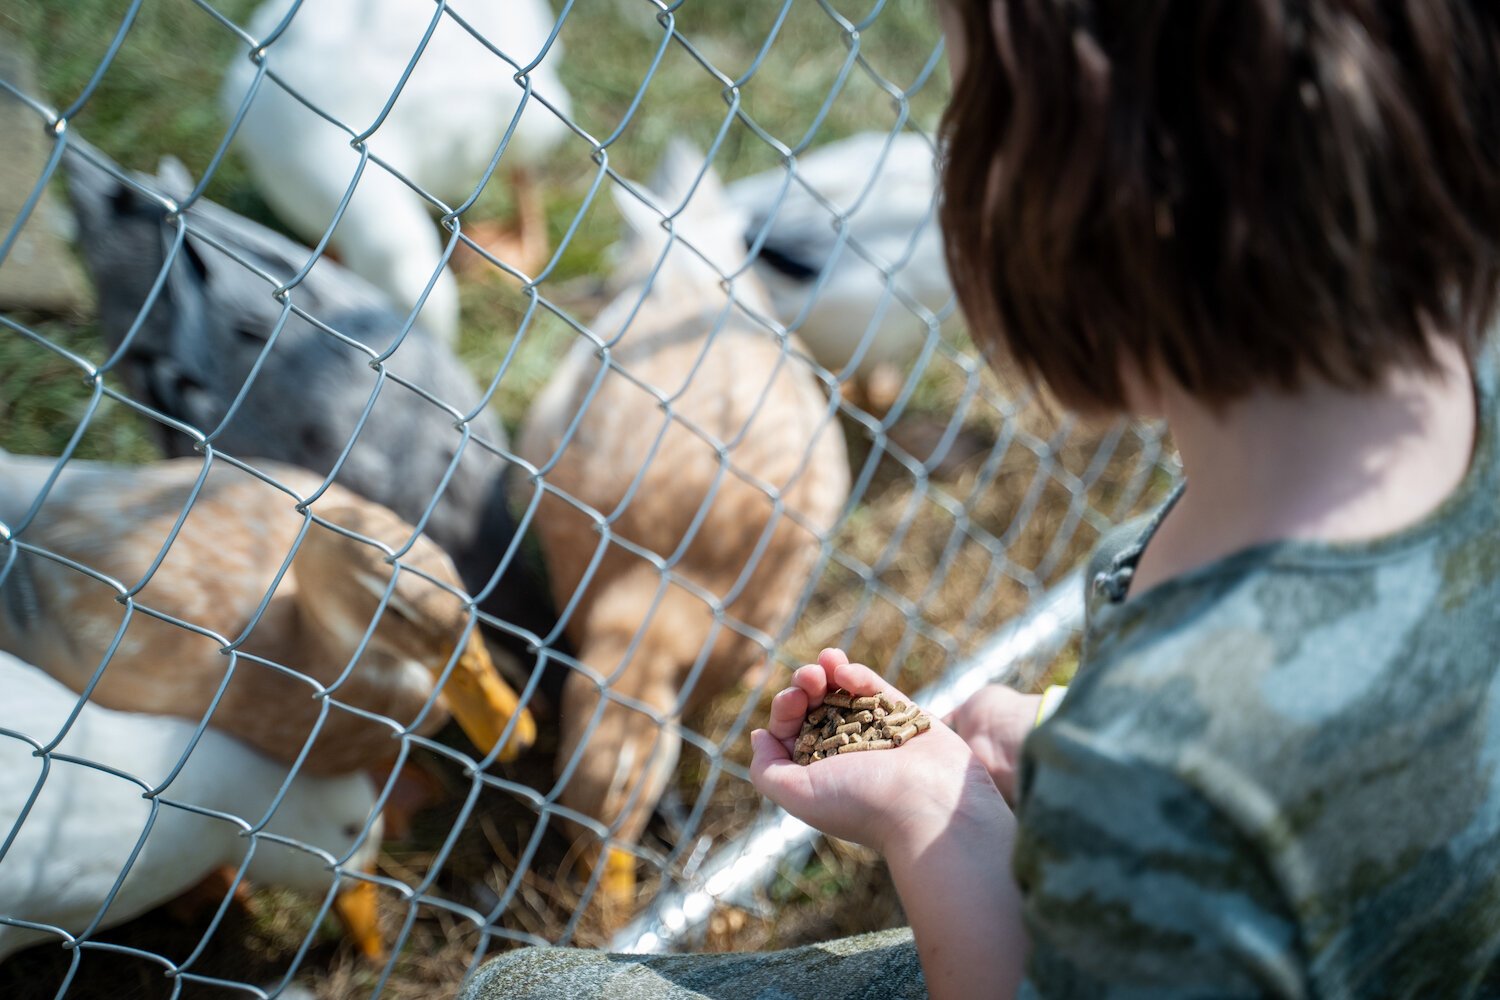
<point x="351" y="830"/>
<point x="375" y="587"/>
<point x="401" y="610"/>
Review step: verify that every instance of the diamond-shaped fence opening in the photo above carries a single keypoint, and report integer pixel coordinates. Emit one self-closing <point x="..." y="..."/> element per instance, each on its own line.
<point x="569" y="372"/>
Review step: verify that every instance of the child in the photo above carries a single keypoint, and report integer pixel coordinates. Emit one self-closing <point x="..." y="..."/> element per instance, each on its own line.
<point x="1276" y="225"/>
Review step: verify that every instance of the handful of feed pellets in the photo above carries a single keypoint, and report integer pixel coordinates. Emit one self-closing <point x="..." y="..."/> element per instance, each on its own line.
<point x="847" y="723"/>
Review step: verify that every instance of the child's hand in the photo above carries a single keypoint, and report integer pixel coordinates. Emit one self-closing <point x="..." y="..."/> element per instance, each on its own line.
<point x="930" y="808"/>
<point x="885" y="799"/>
<point x="994" y="722"/>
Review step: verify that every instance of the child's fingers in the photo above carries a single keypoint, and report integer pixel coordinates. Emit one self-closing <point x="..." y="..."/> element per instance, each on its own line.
<point x="855" y="677"/>
<point x="860" y="679"/>
<point x="788" y="709"/>
<point x="813" y="682"/>
<point x="830" y="660"/>
<point x="766" y="749"/>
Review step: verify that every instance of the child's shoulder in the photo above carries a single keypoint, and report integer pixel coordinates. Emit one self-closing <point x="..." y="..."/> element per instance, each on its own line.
<point x="1307" y="754"/>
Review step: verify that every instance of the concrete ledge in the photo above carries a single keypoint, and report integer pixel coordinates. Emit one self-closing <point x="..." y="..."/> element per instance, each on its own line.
<point x="867" y="967"/>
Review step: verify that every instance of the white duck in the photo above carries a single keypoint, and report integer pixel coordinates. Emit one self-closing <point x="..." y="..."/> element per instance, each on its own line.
<point x="61" y="855"/>
<point x="346" y="57"/>
<point x="848" y="244"/>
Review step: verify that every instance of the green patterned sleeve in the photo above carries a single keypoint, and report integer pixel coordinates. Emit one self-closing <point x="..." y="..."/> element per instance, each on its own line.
<point x="1137" y="886"/>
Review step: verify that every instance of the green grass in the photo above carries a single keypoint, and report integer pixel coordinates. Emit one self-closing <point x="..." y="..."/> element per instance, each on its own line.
<point x="158" y="95"/>
<point x="44" y="398"/>
<point x="786" y="94"/>
<point x="156" y="98"/>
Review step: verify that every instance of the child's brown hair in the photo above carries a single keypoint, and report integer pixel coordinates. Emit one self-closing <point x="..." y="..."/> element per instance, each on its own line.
<point x="1228" y="193"/>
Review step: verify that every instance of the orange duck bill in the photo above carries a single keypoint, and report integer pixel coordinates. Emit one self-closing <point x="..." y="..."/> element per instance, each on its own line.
<point x="618" y="881"/>
<point x="357" y="911"/>
<point x="484" y="705"/>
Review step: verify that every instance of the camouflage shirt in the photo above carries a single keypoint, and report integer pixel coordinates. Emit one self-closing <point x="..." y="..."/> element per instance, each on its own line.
<point x="1277" y="775"/>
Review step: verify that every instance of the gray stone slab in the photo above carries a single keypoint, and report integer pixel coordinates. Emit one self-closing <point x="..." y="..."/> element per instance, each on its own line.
<point x="41" y="274"/>
<point x="879" y="966"/>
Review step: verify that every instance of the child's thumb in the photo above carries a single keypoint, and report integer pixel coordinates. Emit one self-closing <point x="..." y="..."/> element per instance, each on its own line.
<point x="768" y="765"/>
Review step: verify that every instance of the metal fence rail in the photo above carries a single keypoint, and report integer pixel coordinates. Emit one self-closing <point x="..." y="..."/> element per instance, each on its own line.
<point x="949" y="563"/>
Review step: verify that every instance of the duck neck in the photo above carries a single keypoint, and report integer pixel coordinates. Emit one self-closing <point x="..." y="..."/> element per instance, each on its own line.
<point x="319" y="647"/>
<point x="621" y="753"/>
<point x="151" y="748"/>
<point x="644" y="675"/>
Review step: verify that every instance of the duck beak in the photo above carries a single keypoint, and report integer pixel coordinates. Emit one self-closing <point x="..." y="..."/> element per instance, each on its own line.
<point x="483" y="704"/>
<point x="355" y="907"/>
<point x="618" y="880"/>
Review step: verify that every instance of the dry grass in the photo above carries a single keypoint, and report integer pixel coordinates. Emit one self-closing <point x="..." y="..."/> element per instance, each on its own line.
<point x="939" y="549"/>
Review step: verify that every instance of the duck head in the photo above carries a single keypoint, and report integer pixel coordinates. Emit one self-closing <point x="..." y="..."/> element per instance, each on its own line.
<point x="425" y="624"/>
<point x="319" y="819"/>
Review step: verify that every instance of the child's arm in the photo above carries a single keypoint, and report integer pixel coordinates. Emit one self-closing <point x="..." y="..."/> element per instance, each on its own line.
<point x="931" y="809"/>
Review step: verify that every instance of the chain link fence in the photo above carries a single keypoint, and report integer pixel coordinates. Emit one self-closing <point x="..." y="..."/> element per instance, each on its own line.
<point x="435" y="357"/>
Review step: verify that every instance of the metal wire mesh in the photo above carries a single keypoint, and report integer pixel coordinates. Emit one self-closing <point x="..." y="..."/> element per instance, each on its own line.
<point x="968" y="503"/>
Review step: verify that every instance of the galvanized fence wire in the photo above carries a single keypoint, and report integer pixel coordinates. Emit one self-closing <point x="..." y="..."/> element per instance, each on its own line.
<point x="1080" y="480"/>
